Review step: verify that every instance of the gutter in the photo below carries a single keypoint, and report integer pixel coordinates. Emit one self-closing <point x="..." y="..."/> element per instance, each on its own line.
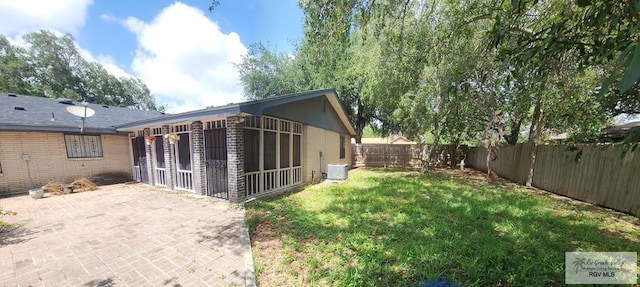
<point x="183" y="117"/>
<point x="69" y="129"/>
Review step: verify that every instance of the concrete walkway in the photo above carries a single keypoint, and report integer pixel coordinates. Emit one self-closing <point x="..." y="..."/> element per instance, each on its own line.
<point x="125" y="235"/>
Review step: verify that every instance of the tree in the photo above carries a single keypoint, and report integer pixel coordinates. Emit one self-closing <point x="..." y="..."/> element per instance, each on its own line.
<point x="14" y="69"/>
<point x="51" y="66"/>
<point x="445" y="69"/>
<point x="602" y="35"/>
<point x="530" y="39"/>
<point x="431" y="53"/>
<point x="55" y="60"/>
<point x="264" y="73"/>
<point x="330" y="53"/>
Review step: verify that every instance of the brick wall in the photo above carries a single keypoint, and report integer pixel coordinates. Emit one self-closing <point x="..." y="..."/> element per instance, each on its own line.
<point x="198" y="159"/>
<point x="235" y="160"/>
<point x="316" y="140"/>
<point x="168" y="157"/>
<point x="149" y="154"/>
<point x="48" y="161"/>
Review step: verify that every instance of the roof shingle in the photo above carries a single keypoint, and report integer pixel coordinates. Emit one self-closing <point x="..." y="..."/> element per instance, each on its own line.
<point x="19" y="112"/>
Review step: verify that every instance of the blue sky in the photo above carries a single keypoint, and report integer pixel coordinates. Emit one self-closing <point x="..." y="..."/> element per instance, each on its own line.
<point x="182" y="51"/>
<point x="270" y="21"/>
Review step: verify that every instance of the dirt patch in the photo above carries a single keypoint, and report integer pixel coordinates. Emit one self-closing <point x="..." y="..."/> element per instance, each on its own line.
<point x="267" y="245"/>
<point x="280" y="260"/>
<point x="108" y="178"/>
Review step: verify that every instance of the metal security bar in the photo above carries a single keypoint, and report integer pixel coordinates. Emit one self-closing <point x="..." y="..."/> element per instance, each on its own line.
<point x="83" y="146"/>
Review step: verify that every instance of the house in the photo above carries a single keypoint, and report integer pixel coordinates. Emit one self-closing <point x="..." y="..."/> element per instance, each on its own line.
<point x="244" y="150"/>
<point x="401" y="140"/>
<point x="235" y="152"/>
<point x="40" y="142"/>
<point x="386" y="140"/>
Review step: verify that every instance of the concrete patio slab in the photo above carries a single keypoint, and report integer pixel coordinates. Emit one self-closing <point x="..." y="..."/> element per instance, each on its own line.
<point x="125" y="235"/>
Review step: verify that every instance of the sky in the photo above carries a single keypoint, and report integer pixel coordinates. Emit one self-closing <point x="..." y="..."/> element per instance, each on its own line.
<point x="181" y="50"/>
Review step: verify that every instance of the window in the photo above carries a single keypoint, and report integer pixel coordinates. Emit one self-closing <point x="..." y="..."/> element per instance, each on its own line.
<point x="83" y="146"/>
<point x="342" y="152"/>
<point x="251" y="150"/>
<point x="136" y="151"/>
<point x="184" y="152"/>
<point x="269" y="150"/>
<point x="139" y="151"/>
<point x="159" y="151"/>
<point x="284" y="150"/>
<point x="296" y="150"/>
<point x="215" y="144"/>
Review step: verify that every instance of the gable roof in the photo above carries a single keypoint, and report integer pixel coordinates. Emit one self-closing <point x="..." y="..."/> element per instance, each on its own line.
<point x="256" y="108"/>
<point x="28" y="113"/>
<point x="402" y="140"/>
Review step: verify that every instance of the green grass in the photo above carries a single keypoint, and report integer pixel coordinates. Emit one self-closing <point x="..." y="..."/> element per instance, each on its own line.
<point x="384" y="228"/>
<point x="4" y="226"/>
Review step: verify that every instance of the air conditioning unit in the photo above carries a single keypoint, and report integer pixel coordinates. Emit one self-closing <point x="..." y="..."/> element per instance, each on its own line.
<point x="337" y="171"/>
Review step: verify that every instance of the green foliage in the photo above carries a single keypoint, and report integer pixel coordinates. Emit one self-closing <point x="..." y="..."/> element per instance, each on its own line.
<point x="369" y="132"/>
<point x="264" y="73"/>
<point x="394" y="228"/>
<point x="214" y="4"/>
<point x="4" y="226"/>
<point x="598" y="34"/>
<point x="51" y="66"/>
<point x="444" y="68"/>
<point x="7" y="212"/>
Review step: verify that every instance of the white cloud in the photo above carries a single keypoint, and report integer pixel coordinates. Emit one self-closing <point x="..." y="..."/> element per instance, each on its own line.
<point x="59" y="17"/>
<point x="185" y="60"/>
<point x="108" y="62"/>
<point x="23" y="16"/>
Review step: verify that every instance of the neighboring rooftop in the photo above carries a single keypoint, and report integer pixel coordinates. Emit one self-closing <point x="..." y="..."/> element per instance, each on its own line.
<point x="20" y="112"/>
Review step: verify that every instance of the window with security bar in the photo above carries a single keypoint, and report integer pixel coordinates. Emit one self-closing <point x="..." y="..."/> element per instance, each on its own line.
<point x="83" y="146"/>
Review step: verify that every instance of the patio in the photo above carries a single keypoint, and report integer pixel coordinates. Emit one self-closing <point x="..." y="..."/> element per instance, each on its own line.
<point x="125" y="235"/>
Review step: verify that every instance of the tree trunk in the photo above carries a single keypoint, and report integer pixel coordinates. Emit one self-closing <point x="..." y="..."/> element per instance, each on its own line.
<point x="360" y="122"/>
<point x="488" y="160"/>
<point x="535" y="134"/>
<point x="358" y="138"/>
<point x="512" y="138"/>
<point x="453" y="153"/>
<point x="432" y="148"/>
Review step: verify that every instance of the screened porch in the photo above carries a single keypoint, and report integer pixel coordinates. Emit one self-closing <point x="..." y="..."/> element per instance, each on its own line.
<point x="272" y="155"/>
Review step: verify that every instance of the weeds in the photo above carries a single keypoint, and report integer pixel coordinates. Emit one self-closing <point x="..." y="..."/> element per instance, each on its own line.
<point x="387" y="228"/>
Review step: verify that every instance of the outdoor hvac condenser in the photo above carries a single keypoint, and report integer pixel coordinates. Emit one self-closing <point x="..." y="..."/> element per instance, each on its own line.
<point x="337" y="171"/>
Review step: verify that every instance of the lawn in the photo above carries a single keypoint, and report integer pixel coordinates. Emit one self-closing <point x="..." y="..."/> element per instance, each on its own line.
<point x="394" y="228"/>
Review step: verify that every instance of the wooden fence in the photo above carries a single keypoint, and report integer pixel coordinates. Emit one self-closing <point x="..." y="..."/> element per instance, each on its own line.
<point x="402" y="156"/>
<point x="599" y="174"/>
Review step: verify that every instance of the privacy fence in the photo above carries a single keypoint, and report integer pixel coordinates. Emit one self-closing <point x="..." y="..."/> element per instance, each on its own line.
<point x="403" y="156"/>
<point x="600" y="174"/>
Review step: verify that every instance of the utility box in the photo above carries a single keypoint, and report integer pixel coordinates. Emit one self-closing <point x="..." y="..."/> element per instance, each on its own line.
<point x="337" y="171"/>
